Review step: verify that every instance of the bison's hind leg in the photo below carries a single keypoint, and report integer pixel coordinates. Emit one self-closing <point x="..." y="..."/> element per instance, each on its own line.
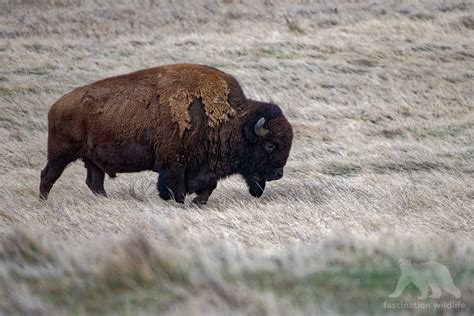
<point x="53" y="170"/>
<point x="95" y="178"/>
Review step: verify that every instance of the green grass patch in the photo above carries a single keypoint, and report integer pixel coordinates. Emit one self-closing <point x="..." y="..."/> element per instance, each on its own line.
<point x="343" y="169"/>
<point x="35" y="71"/>
<point x="5" y="92"/>
<point x="10" y="93"/>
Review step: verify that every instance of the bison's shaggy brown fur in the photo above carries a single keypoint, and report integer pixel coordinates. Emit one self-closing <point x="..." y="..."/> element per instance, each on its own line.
<point x="190" y="123"/>
<point x="201" y="83"/>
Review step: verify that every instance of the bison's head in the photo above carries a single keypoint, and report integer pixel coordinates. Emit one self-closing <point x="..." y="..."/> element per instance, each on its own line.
<point x="268" y="136"/>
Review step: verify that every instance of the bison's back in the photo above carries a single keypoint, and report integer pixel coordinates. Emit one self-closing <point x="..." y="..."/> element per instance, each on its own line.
<point x="124" y="104"/>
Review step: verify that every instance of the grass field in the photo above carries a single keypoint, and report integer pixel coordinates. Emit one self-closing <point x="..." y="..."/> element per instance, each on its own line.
<point x="381" y="98"/>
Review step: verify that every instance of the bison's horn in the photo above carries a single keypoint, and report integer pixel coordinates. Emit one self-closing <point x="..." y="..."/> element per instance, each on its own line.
<point x="259" y="130"/>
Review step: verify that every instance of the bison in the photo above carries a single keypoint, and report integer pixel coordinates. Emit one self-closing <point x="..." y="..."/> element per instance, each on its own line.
<point x="190" y="123"/>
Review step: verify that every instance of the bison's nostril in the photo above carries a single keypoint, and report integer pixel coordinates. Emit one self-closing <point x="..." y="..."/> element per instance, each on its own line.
<point x="278" y="174"/>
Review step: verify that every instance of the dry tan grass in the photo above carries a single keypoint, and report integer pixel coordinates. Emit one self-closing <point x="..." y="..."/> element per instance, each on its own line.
<point x="381" y="99"/>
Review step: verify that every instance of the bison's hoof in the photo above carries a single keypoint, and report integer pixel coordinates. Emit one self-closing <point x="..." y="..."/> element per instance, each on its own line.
<point x="100" y="194"/>
<point x="198" y="201"/>
<point x="180" y="198"/>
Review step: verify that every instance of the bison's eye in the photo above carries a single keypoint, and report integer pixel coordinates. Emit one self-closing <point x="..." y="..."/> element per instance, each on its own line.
<point x="269" y="147"/>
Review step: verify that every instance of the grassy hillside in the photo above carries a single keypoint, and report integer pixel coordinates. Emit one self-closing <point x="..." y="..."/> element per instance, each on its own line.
<point x="380" y="95"/>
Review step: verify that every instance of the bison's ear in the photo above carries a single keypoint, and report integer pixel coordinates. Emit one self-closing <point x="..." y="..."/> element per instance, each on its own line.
<point x="254" y="129"/>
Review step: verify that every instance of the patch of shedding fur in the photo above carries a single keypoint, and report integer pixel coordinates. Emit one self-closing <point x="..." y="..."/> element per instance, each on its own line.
<point x="206" y="85"/>
<point x="179" y="104"/>
<point x="214" y="93"/>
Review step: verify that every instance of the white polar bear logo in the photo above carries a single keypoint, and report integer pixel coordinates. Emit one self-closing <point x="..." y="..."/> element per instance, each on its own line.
<point x="424" y="275"/>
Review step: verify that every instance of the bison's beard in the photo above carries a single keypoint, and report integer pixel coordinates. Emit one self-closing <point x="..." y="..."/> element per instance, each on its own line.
<point x="256" y="185"/>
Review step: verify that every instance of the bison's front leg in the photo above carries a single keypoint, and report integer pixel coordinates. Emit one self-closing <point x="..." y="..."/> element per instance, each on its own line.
<point x="203" y="196"/>
<point x="171" y="184"/>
